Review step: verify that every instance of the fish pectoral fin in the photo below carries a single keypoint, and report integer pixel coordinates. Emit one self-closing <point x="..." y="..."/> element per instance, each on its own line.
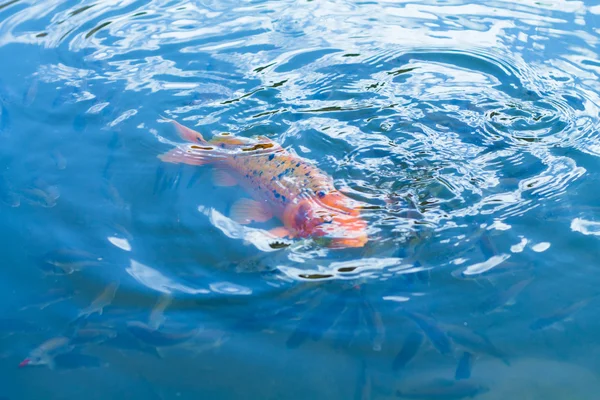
<point x="223" y="178"/>
<point x="282" y="232"/>
<point x="245" y="211"/>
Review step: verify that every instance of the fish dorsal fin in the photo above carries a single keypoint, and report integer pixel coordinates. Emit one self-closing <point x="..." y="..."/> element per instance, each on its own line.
<point x="226" y="138"/>
<point x="243" y="145"/>
<point x="223" y="178"/>
<point x="245" y="211"/>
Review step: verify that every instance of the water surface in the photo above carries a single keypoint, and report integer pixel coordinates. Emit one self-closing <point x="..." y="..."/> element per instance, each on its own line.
<point x="470" y="130"/>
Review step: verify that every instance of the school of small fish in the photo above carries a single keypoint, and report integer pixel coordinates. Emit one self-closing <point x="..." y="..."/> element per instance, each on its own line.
<point x="307" y="205"/>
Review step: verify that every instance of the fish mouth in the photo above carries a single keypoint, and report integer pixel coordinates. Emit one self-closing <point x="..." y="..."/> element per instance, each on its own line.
<point x="342" y="234"/>
<point x="24" y="362"/>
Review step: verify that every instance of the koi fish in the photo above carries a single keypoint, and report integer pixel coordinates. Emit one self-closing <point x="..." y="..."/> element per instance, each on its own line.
<point x="281" y="185"/>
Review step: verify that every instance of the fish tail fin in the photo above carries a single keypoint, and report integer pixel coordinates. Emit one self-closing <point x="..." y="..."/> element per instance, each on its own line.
<point x="83" y="314"/>
<point x="186" y="133"/>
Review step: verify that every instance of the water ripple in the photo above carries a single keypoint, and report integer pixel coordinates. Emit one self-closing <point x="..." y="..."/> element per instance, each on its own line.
<point x="471" y="132"/>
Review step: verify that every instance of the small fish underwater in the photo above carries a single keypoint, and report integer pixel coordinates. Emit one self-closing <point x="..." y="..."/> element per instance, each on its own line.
<point x="281" y="185"/>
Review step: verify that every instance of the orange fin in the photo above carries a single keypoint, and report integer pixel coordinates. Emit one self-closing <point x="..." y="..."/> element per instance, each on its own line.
<point x="180" y="156"/>
<point x="281" y="232"/>
<point x="228" y="139"/>
<point x="186" y="133"/>
<point x="245" y="211"/>
<point x="223" y="178"/>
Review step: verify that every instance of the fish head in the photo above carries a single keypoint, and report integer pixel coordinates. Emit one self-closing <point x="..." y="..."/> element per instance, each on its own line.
<point x="34" y="359"/>
<point x="333" y="218"/>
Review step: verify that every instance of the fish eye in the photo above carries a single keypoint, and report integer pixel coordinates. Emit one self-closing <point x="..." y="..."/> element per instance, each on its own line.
<point x="321" y="194"/>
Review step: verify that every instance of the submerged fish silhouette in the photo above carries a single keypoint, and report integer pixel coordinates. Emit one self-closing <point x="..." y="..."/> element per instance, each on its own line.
<point x="560" y="315"/>
<point x="503" y="298"/>
<point x="318" y="320"/>
<point x="465" y="364"/>
<point x="410" y="348"/>
<point x="474" y="342"/>
<point x="104" y="299"/>
<point x="431" y="328"/>
<point x="44" y="354"/>
<point x="67" y="261"/>
<point x="159" y="338"/>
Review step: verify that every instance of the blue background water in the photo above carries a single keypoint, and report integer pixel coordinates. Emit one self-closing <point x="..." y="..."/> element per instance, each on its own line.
<point x="470" y="128"/>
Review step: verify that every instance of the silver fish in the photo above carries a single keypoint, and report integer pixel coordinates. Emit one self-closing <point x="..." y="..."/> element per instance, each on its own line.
<point x="45" y="353"/>
<point x="503" y="298"/>
<point x="104" y="299"/>
<point x="563" y="314"/>
<point x="54" y="296"/>
<point x="87" y="336"/>
<point x="474" y="342"/>
<point x="465" y="364"/>
<point x="70" y="260"/>
<point x="410" y="348"/>
<point x="39" y="197"/>
<point x="486" y="245"/>
<point x="430" y="327"/>
<point x="157" y="317"/>
<point x="375" y="324"/>
<point x="59" y="159"/>
<point x="159" y="338"/>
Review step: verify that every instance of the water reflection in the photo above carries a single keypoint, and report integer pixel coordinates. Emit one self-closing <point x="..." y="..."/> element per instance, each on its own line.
<point x="469" y="133"/>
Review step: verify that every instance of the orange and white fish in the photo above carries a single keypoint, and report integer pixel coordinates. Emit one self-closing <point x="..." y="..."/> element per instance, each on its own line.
<point x="281" y="185"/>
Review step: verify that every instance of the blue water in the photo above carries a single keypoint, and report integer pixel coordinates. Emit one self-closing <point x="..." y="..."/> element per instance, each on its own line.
<point x="470" y="129"/>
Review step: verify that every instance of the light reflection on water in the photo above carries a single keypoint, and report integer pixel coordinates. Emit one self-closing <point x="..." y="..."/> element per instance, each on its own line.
<point x="470" y="130"/>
